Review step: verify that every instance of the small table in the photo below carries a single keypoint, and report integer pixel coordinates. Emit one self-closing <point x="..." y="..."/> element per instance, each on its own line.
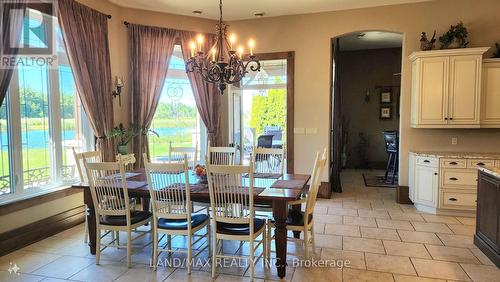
<point x="277" y="197"/>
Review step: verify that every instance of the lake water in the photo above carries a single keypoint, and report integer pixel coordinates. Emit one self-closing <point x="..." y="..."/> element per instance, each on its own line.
<point x="38" y="138"/>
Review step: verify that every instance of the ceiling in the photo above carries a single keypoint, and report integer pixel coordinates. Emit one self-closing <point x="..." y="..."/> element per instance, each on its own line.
<point x="370" y="40"/>
<point x="239" y="9"/>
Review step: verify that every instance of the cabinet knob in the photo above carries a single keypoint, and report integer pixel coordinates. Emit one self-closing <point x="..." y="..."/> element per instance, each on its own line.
<point x="453" y="178"/>
<point x="452" y="199"/>
<point x="435" y="173"/>
<point x="451" y="118"/>
<point x="453" y="163"/>
<point x="427" y="161"/>
<point x="480" y="164"/>
<point x="445" y="118"/>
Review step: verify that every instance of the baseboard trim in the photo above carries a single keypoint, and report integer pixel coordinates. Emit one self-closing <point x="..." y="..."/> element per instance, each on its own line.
<point x="402" y="195"/>
<point x="25" y="235"/>
<point x="325" y="190"/>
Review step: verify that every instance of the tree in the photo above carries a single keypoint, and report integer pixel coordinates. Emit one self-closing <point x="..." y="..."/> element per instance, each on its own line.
<point x="269" y="110"/>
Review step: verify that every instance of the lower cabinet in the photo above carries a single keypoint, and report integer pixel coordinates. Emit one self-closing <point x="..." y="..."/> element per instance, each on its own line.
<point x="426" y="185"/>
<point x="487" y="236"/>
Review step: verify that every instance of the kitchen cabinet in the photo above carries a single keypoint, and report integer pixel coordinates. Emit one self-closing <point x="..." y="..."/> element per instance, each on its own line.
<point x="446" y="88"/>
<point x="490" y="102"/>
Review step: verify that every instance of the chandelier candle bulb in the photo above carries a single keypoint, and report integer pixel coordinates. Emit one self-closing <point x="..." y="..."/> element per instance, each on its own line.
<point x="240" y="51"/>
<point x="192" y="47"/>
<point x="232" y="40"/>
<point x="213" y="54"/>
<point x="251" y="45"/>
<point x="200" y="40"/>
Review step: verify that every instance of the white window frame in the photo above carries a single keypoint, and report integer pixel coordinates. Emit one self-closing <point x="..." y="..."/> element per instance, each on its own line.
<point x="16" y="171"/>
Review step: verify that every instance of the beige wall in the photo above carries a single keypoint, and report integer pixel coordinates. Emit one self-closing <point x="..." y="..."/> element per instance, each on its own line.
<point x="309" y="36"/>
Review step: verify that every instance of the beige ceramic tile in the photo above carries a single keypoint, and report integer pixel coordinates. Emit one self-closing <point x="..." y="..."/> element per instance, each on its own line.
<point x="28" y="261"/>
<point x="145" y="273"/>
<point x="392" y="264"/>
<point x="462" y="241"/>
<point x="373" y="213"/>
<point x="431" y="227"/>
<point x="346" y="211"/>
<point x="394" y="224"/>
<point x="379" y="233"/>
<point x="327" y="218"/>
<point x="195" y="276"/>
<point x="350" y="258"/>
<point x="407" y="278"/>
<point x="440" y="219"/>
<point x="462" y="229"/>
<point x="343" y="230"/>
<point x="359" y="221"/>
<point x="320" y="210"/>
<point x="328" y="241"/>
<point x="319" y="228"/>
<point x="419" y="237"/>
<point x="439" y="269"/>
<point x="363" y="245"/>
<point x="21" y="277"/>
<point x="482" y="273"/>
<point x="105" y="271"/>
<point x="395" y="215"/>
<point x="467" y="220"/>
<point x="357" y="275"/>
<point x="356" y="205"/>
<point x="451" y="254"/>
<point x="64" y="267"/>
<point x="406" y="249"/>
<point x="317" y="274"/>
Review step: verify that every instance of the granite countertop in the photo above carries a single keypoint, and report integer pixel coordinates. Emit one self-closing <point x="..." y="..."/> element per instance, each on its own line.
<point x="493" y="171"/>
<point x="464" y="155"/>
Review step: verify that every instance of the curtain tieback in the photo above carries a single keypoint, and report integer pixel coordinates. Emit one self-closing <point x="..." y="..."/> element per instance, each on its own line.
<point x="100" y="137"/>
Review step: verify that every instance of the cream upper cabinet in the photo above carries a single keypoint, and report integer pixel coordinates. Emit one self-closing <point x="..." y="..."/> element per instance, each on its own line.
<point x="446" y="88"/>
<point x="490" y="102"/>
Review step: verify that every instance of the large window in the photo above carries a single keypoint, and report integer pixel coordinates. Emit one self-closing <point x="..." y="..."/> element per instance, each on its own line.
<point x="41" y="120"/>
<point x="176" y="119"/>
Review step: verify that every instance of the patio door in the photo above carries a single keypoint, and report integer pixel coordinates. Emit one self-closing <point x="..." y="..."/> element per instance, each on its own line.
<point x="262" y="108"/>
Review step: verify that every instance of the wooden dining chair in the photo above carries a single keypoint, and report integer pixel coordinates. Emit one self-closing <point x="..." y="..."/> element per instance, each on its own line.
<point x="221" y="155"/>
<point x="171" y="201"/>
<point x="177" y="154"/>
<point x="269" y="160"/>
<point x="128" y="161"/>
<point x="303" y="220"/>
<point x="91" y="156"/>
<point x="232" y="200"/>
<point x="108" y="187"/>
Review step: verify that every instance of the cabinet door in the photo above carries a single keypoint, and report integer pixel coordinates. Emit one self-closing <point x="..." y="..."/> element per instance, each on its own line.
<point x="433" y="91"/>
<point x="490" y="108"/>
<point x="426" y="185"/>
<point x="465" y="87"/>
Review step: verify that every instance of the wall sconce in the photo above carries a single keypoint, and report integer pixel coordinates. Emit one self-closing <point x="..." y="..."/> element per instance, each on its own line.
<point x="118" y="89"/>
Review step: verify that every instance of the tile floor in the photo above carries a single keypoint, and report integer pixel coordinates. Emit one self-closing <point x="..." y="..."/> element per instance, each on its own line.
<point x="381" y="240"/>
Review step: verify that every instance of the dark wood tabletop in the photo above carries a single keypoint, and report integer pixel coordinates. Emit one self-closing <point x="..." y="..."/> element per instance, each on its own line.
<point x="276" y="192"/>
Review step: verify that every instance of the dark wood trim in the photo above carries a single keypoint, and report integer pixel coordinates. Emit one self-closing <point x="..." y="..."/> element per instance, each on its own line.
<point x="290" y="82"/>
<point x="23" y="236"/>
<point x="37" y="200"/>
<point x="335" y="118"/>
<point x="402" y="195"/>
<point x="325" y="191"/>
<point x="487" y="249"/>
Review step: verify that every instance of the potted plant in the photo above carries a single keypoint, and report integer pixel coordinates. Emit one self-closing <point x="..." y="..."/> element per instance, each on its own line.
<point x="125" y="135"/>
<point x="455" y="37"/>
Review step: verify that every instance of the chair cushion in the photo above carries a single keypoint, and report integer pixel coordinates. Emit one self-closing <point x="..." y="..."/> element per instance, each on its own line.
<point x="121" y="220"/>
<point x="181" y="224"/>
<point x="239" y="228"/>
<point x="296" y="218"/>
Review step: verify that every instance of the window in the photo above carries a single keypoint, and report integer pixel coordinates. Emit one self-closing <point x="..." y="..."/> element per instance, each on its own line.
<point x="41" y="120"/>
<point x="176" y="118"/>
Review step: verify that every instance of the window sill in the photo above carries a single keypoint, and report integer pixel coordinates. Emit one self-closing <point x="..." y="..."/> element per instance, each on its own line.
<point x="35" y="198"/>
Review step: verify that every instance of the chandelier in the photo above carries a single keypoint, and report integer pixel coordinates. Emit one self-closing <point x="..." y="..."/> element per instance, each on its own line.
<point x="223" y="64"/>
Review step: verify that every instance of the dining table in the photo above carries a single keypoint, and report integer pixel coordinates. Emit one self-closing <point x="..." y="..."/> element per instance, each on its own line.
<point x="274" y="191"/>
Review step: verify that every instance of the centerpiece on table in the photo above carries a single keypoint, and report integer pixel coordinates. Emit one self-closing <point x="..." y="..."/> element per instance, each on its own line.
<point x="201" y="172"/>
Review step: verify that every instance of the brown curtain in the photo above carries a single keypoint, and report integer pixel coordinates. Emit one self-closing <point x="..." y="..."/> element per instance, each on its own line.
<point x="8" y="21"/>
<point x="85" y="33"/>
<point x="206" y="95"/>
<point x="151" y="49"/>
